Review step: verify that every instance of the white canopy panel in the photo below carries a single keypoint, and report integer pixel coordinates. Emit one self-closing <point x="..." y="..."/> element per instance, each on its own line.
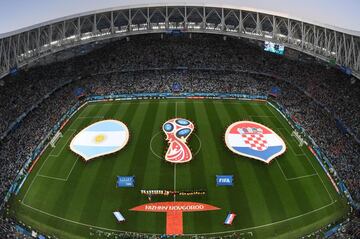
<point x="19" y="15"/>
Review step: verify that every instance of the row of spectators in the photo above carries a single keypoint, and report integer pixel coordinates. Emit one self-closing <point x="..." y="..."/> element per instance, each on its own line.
<point x="218" y="65"/>
<point x="131" y="235"/>
<point x="349" y="230"/>
<point x="328" y="86"/>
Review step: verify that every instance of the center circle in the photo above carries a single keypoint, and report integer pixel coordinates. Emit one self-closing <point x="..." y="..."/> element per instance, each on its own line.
<point x="158" y="134"/>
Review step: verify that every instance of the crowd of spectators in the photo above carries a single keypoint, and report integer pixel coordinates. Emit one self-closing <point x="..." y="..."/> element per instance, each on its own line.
<point x="131" y="235"/>
<point x="313" y="93"/>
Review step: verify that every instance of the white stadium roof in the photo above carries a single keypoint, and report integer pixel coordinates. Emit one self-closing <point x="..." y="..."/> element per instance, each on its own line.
<point x="20" y="15"/>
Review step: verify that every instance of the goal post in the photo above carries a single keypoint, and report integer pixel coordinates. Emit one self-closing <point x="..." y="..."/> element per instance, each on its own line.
<point x="299" y="138"/>
<point x="56" y="137"/>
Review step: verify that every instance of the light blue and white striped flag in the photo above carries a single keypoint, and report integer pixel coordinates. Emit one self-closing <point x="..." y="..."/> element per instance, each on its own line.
<point x="101" y="138"/>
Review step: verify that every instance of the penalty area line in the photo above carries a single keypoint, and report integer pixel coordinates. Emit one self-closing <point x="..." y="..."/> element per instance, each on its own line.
<point x="300" y="177"/>
<point x="281" y="169"/>
<point x="72" y="168"/>
<point x="60" y="179"/>
<point x="308" y="159"/>
<point x="42" y="165"/>
<point x="50" y="177"/>
<point x="327" y="190"/>
<point x="294" y="178"/>
<point x="37" y="173"/>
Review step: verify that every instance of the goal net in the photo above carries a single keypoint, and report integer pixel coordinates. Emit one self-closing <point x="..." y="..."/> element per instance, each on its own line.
<point x="299" y="138"/>
<point x="56" y="137"/>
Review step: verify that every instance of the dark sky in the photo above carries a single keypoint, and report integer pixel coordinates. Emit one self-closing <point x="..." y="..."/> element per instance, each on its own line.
<point x="15" y="14"/>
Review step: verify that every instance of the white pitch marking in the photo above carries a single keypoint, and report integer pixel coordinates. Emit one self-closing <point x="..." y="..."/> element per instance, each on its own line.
<point x="291" y="147"/>
<point x="42" y="165"/>
<point x="87" y="117"/>
<point x="174" y="181"/>
<point x="27" y="191"/>
<point x="294" y="178"/>
<point x="331" y="198"/>
<point x="71" y="221"/>
<point x="61" y="179"/>
<point x="90" y="117"/>
<point x="127" y="102"/>
<point x="50" y="177"/>
<point x="161" y="157"/>
<point x="222" y="102"/>
<point x="62" y="148"/>
<point x="263" y="116"/>
<point x="77" y="159"/>
<point x="269" y="224"/>
<point x="211" y="233"/>
<point x="244" y="229"/>
<point x="176" y="103"/>
<point x="281" y="169"/>
<point x="300" y="177"/>
<point x="175" y="163"/>
<point x="320" y="179"/>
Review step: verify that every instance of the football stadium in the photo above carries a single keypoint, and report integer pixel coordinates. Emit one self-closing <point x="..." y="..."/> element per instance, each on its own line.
<point x="196" y="120"/>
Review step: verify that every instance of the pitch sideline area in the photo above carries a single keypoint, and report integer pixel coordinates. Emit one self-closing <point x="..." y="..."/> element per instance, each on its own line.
<point x="181" y="110"/>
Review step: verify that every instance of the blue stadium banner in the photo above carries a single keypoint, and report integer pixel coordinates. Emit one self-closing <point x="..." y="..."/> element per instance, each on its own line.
<point x="13" y="71"/>
<point x="224" y="180"/>
<point x="174" y="32"/>
<point x="79" y="92"/>
<point x="275" y="91"/>
<point x="125" y="181"/>
<point x="346" y="70"/>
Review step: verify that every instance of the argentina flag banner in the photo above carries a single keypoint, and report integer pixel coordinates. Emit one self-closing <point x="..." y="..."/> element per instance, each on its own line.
<point x="101" y="138"/>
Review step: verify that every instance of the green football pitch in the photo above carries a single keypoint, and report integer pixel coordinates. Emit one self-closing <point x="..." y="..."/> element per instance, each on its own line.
<point x="69" y="198"/>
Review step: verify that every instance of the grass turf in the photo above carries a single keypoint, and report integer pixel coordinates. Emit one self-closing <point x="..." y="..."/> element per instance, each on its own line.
<point x="65" y="196"/>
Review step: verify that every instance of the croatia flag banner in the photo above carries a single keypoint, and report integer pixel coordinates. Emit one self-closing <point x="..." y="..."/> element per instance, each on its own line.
<point x="229" y="218"/>
<point x="254" y="140"/>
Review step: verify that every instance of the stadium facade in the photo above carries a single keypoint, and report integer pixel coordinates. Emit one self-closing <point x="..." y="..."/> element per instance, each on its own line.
<point x="335" y="45"/>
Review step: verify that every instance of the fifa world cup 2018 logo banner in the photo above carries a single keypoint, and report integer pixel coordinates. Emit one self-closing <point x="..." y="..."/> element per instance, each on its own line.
<point x="177" y="132"/>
